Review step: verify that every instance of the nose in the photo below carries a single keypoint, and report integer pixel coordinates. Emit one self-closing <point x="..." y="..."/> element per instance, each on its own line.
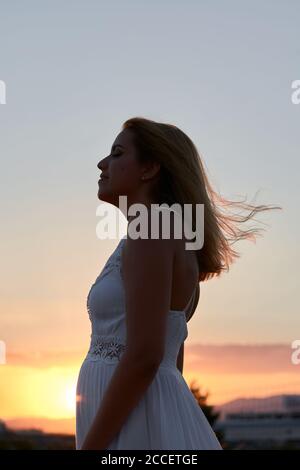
<point x="100" y="165"/>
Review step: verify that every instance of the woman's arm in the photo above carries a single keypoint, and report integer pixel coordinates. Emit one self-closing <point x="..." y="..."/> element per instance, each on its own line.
<point x="147" y="267"/>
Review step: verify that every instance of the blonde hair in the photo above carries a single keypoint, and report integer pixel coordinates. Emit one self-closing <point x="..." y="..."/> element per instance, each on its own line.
<point x="183" y="180"/>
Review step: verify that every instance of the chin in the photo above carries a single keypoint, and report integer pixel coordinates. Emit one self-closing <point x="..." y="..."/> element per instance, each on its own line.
<point x="102" y="196"/>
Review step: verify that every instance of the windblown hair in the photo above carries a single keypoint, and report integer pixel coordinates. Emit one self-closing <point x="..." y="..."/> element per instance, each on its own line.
<point x="183" y="180"/>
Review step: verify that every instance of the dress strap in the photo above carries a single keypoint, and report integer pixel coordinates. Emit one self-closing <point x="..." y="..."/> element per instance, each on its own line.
<point x="188" y="308"/>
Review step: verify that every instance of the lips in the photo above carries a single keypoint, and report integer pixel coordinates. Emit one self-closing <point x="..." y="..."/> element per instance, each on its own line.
<point x="102" y="180"/>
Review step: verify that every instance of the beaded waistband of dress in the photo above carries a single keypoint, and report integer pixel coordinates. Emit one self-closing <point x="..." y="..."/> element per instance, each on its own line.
<point x="107" y="348"/>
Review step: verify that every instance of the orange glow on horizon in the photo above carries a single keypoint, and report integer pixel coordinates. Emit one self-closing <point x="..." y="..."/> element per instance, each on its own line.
<point x="42" y="396"/>
<point x="51" y="392"/>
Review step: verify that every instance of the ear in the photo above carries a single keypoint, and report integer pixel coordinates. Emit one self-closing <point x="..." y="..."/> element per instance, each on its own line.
<point x="152" y="169"/>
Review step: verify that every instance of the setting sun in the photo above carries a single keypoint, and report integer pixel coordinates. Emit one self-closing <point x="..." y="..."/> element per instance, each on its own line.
<point x="50" y="392"/>
<point x="70" y="398"/>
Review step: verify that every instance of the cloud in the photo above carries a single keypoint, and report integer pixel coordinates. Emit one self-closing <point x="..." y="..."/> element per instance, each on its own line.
<point x="243" y="359"/>
<point x="44" y="359"/>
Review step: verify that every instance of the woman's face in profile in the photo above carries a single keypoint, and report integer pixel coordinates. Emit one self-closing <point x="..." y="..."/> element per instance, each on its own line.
<point x="120" y="171"/>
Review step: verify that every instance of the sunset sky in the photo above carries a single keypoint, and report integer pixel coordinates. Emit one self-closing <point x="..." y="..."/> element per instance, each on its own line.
<point x="74" y="72"/>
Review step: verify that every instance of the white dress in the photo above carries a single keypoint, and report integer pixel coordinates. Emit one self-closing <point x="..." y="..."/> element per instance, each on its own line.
<point x="167" y="416"/>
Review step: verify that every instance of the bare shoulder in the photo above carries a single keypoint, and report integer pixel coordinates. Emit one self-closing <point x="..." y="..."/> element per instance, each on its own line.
<point x="158" y="249"/>
<point x="146" y="259"/>
<point x="152" y="248"/>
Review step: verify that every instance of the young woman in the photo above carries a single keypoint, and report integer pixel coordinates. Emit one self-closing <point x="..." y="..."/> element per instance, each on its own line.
<point x="130" y="390"/>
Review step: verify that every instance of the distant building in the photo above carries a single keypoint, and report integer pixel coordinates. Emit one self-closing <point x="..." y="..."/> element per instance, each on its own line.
<point x="275" y="419"/>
